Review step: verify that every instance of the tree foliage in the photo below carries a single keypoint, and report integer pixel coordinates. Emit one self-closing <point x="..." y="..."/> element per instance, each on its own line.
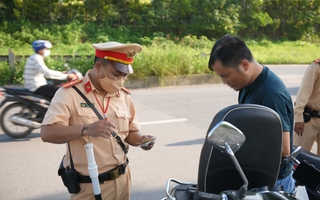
<point x="275" y="19"/>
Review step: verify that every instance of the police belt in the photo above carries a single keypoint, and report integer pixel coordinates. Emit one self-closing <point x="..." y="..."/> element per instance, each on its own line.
<point x="106" y="176"/>
<point x="312" y="112"/>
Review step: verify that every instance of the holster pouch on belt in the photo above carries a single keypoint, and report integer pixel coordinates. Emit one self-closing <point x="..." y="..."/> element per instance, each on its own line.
<point x="69" y="178"/>
<point x="308" y="113"/>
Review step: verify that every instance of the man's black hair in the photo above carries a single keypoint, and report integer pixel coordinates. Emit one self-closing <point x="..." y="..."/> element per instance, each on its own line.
<point x="229" y="50"/>
<point x="104" y="62"/>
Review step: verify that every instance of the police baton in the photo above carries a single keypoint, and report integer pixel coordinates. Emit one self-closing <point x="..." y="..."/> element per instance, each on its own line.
<point x="93" y="171"/>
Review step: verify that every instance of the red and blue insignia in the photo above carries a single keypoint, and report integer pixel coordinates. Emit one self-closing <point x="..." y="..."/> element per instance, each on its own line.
<point x="87" y="87"/>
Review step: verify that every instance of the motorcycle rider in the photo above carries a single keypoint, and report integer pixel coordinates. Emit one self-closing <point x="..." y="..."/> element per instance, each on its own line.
<point x="36" y="71"/>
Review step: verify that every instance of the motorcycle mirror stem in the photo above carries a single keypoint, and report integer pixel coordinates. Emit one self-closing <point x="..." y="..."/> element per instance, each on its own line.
<point x="228" y="139"/>
<point x="243" y="189"/>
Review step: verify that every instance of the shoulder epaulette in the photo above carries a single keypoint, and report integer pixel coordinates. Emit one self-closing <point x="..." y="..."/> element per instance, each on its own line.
<point x="71" y="83"/>
<point x="317" y="60"/>
<point x="125" y="90"/>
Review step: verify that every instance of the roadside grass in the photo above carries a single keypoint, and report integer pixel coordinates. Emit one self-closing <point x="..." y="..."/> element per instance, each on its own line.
<point x="284" y="52"/>
<point x="162" y="58"/>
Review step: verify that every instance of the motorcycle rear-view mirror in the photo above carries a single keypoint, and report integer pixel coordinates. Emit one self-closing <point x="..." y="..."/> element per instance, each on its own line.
<point x="228" y="139"/>
<point x="226" y="133"/>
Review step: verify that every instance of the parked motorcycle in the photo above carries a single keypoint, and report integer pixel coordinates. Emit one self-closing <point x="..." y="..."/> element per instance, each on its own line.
<point x="24" y="110"/>
<point x="307" y="173"/>
<point x="228" y="172"/>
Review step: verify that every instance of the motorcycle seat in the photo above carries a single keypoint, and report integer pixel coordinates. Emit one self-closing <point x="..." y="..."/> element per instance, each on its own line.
<point x="23" y="91"/>
<point x="259" y="157"/>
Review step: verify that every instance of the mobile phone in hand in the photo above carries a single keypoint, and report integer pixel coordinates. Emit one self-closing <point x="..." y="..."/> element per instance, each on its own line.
<point x="147" y="142"/>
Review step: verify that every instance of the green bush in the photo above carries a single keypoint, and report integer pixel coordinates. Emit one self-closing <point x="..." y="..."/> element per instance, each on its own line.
<point x="5" y="73"/>
<point x="82" y="64"/>
<point x="160" y="57"/>
<point x="6" y="40"/>
<point x="17" y="74"/>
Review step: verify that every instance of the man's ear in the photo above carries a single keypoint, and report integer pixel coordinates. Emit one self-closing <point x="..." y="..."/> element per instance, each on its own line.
<point x="97" y="66"/>
<point x="244" y="65"/>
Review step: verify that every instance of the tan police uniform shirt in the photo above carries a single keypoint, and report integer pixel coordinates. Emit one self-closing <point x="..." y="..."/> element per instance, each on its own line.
<point x="69" y="108"/>
<point x="309" y="92"/>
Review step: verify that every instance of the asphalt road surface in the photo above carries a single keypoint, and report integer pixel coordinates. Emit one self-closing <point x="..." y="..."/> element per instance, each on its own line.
<point x="178" y="116"/>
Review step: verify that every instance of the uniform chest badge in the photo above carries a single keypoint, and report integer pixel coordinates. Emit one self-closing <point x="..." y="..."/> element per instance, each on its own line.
<point x="84" y="105"/>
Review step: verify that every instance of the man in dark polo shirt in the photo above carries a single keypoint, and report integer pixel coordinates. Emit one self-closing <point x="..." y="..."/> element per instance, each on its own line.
<point x="232" y="60"/>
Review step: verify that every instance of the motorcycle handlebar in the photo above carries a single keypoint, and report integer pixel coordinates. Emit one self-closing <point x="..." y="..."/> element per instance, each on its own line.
<point x="207" y="196"/>
<point x="293" y="156"/>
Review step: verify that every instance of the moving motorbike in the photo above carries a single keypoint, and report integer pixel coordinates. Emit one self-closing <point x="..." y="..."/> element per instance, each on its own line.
<point x="24" y="110"/>
<point x="228" y="172"/>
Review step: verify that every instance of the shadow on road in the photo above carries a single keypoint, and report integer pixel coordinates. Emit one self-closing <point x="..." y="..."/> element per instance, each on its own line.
<point x="5" y="138"/>
<point x="190" y="142"/>
<point x="135" y="195"/>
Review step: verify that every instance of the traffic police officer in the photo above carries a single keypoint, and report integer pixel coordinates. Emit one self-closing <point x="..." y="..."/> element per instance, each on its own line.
<point x="71" y="120"/>
<point x="307" y="109"/>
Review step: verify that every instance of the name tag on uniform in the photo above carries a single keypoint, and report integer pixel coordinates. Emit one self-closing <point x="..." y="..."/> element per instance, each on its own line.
<point x="84" y="105"/>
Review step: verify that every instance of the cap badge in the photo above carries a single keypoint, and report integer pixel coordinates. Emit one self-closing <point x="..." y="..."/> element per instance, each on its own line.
<point x="131" y="53"/>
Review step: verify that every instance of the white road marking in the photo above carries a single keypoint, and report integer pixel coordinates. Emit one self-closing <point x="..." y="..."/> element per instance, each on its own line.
<point x="164" y="121"/>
